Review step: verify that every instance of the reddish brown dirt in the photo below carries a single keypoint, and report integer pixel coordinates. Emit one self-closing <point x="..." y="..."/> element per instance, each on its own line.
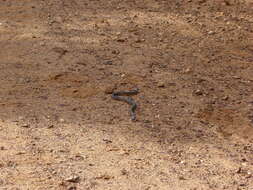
<point x="192" y="61"/>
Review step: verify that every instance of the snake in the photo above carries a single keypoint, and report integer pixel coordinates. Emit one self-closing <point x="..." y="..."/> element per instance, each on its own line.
<point x="124" y="97"/>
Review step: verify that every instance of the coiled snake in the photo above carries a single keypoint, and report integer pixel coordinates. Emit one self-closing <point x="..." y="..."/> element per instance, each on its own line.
<point x="118" y="96"/>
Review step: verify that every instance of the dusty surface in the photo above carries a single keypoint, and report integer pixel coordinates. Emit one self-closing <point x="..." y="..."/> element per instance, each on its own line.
<point x="192" y="61"/>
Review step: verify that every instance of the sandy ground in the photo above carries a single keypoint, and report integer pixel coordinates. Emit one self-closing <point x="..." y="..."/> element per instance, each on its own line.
<point x="192" y="61"/>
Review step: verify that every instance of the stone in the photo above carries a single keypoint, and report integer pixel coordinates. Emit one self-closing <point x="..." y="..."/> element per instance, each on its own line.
<point x="161" y="84"/>
<point x="73" y="179"/>
<point x="198" y="92"/>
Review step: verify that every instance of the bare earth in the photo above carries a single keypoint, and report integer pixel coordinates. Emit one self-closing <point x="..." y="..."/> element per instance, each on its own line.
<point x="192" y="61"/>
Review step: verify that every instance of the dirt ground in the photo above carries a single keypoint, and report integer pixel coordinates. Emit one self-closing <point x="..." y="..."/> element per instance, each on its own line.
<point x="192" y="61"/>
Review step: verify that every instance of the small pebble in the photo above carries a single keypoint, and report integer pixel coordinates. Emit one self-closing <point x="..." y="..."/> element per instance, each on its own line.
<point x="107" y="140"/>
<point x="188" y="70"/>
<point x="198" y="92"/>
<point x="73" y="179"/>
<point x="124" y="172"/>
<point x="50" y="126"/>
<point x="107" y="63"/>
<point x="182" y="178"/>
<point x="225" y="98"/>
<point x="115" y="52"/>
<point x="42" y="43"/>
<point x="161" y="84"/>
<point x="72" y="188"/>
<point x="25" y="125"/>
<point x="121" y="40"/>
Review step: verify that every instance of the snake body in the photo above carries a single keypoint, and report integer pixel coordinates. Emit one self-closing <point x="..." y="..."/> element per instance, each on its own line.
<point x="128" y="100"/>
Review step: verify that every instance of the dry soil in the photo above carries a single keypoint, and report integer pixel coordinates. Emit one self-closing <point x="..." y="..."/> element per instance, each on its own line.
<point x="192" y="61"/>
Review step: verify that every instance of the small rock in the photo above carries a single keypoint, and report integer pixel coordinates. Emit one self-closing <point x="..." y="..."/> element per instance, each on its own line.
<point x="25" y="125"/>
<point x="139" y="40"/>
<point x="72" y="188"/>
<point x="73" y="179"/>
<point x="78" y="157"/>
<point x="124" y="172"/>
<point x="60" y="51"/>
<point x="61" y="120"/>
<point x="21" y="152"/>
<point x="107" y="63"/>
<point x="104" y="177"/>
<point x="249" y="175"/>
<point x="182" y="178"/>
<point x="161" y="84"/>
<point x="188" y="70"/>
<point x="226" y="2"/>
<point x="121" y="40"/>
<point x="198" y="92"/>
<point x="42" y="43"/>
<point x="201" y="1"/>
<point x="239" y="170"/>
<point x="115" y="52"/>
<point x="107" y="140"/>
<point x="211" y="32"/>
<point x="147" y="121"/>
<point x="200" y="80"/>
<point x="50" y="126"/>
<point x="244" y="159"/>
<point x="225" y="98"/>
<point x="236" y="77"/>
